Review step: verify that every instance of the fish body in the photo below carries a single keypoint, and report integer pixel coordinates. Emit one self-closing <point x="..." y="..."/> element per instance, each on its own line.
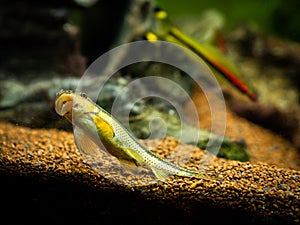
<point x="96" y="129"/>
<point x="215" y="57"/>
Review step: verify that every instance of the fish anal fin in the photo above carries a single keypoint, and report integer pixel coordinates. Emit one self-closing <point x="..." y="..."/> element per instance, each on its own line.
<point x="129" y="166"/>
<point x="84" y="143"/>
<point x="161" y="174"/>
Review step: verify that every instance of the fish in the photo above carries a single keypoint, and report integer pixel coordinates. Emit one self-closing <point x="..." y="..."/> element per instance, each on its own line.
<point x="96" y="129"/>
<point x="215" y="57"/>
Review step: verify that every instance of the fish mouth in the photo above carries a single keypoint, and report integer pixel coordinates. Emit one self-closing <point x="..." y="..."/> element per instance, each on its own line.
<point x="62" y="107"/>
<point x="65" y="108"/>
<point x="64" y="102"/>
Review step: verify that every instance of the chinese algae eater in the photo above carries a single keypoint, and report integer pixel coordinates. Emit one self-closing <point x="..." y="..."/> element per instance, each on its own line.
<point x="96" y="129"/>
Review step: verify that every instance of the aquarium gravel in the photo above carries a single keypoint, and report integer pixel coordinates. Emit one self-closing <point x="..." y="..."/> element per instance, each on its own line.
<point x="257" y="189"/>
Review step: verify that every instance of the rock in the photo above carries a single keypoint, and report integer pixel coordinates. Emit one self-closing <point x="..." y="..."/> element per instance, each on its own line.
<point x="11" y="91"/>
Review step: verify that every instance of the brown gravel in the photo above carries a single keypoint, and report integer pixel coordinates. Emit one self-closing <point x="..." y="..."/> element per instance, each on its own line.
<point x="263" y="144"/>
<point x="257" y="189"/>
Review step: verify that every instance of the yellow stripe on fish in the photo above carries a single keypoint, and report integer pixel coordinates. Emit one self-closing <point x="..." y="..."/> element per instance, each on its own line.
<point x="95" y="129"/>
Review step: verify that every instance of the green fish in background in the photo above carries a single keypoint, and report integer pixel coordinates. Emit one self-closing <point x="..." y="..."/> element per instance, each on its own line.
<point x="96" y="129"/>
<point x="215" y="57"/>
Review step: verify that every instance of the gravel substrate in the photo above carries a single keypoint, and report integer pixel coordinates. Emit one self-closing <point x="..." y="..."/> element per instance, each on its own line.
<point x="258" y="191"/>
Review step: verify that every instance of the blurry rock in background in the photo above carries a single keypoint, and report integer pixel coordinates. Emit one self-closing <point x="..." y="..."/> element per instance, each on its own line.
<point x="38" y="37"/>
<point x="60" y="36"/>
<point x="273" y="66"/>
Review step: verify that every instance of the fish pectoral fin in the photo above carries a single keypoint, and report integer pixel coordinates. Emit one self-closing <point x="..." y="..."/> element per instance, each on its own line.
<point x="138" y="159"/>
<point x="84" y="143"/>
<point x="161" y="174"/>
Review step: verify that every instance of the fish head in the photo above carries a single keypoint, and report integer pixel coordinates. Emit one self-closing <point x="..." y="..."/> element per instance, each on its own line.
<point x="69" y="103"/>
<point x="64" y="104"/>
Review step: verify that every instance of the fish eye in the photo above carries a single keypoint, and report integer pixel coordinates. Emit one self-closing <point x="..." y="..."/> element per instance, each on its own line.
<point x="64" y="102"/>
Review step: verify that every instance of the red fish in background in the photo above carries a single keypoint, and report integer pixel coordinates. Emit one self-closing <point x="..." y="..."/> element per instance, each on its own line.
<point x="215" y="57"/>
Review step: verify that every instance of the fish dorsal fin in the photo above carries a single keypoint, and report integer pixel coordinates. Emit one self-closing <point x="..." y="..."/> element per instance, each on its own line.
<point x="161" y="174"/>
<point x="84" y="143"/>
<point x="104" y="127"/>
